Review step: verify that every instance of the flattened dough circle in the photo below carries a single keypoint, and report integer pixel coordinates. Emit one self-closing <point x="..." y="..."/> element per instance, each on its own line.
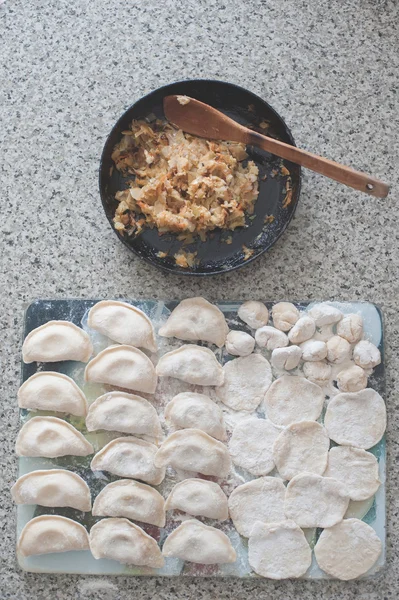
<point x="291" y="399"/>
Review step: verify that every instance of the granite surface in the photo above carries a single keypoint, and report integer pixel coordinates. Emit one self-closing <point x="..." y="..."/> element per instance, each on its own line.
<point x="68" y="70"/>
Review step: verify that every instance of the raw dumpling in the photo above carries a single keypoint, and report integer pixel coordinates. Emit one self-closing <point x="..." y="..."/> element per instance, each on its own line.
<point x="51" y="533"/>
<point x="190" y="410"/>
<point x="125" y="367"/>
<point x="195" y="542"/>
<point x="356" y="419"/>
<point x="119" y="411"/>
<point x="246" y="381"/>
<point x="291" y="399"/>
<point x="258" y="500"/>
<point x="356" y="469"/>
<point x="130" y="499"/>
<point x="284" y="315"/>
<point x="55" y="341"/>
<point x="301" y="447"/>
<point x="50" y="437"/>
<point x="348" y="549"/>
<point x="123" y="323"/>
<point x="48" y="390"/>
<point x="251" y="445"/>
<point x="193" y="364"/>
<point x="121" y="540"/>
<point x="195" y="451"/>
<point x="315" y="501"/>
<point x="239" y="343"/>
<point x="254" y="314"/>
<point x="53" y="487"/>
<point x="199" y="498"/>
<point x="129" y="457"/>
<point x="279" y="550"/>
<point x="196" y="319"/>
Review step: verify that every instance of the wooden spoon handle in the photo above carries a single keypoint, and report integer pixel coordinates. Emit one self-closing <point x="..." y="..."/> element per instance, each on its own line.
<point x="329" y="168"/>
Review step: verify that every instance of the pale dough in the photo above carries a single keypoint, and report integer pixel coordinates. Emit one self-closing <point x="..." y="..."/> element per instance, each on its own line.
<point x="303" y="330"/>
<point x="239" y="343"/>
<point x="251" y="445"/>
<point x="284" y="315"/>
<point x="301" y="447"/>
<point x="356" y="419"/>
<point x="254" y="313"/>
<point x="351" y="328"/>
<point x="348" y="549"/>
<point x="291" y="399"/>
<point x="246" y="380"/>
<point x="353" y="379"/>
<point x="315" y="501"/>
<point x="356" y="468"/>
<point x="258" y="500"/>
<point x="366" y="355"/>
<point x="286" y="358"/>
<point x="317" y="372"/>
<point x="278" y="550"/>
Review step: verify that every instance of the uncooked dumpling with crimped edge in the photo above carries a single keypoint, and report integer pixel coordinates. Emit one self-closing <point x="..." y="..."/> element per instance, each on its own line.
<point x="193" y="364"/>
<point x="129" y="457"/>
<point x="57" y="341"/>
<point x="199" y="498"/>
<point x="130" y="499"/>
<point x="52" y="487"/>
<point x="191" y="410"/>
<point x="123" y="366"/>
<point x="196" y="319"/>
<point x="195" y="451"/>
<point x="195" y="542"/>
<point x="123" y="323"/>
<point x="246" y="381"/>
<point x="127" y="413"/>
<point x="121" y="540"/>
<point x="49" y="534"/>
<point x="48" y="390"/>
<point x="51" y="437"/>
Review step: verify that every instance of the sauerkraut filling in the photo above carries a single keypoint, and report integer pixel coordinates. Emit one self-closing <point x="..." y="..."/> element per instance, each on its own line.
<point x="182" y="184"/>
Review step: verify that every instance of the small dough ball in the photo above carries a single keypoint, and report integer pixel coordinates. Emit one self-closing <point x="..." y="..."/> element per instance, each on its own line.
<point x="317" y="372"/>
<point x="356" y="469"/>
<point x="251" y="445"/>
<point x="325" y="314"/>
<point x="313" y="350"/>
<point x="254" y="314"/>
<point x="353" y="379"/>
<point x="338" y="350"/>
<point x="348" y="549"/>
<point x="239" y="343"/>
<point x="356" y="418"/>
<point x="278" y="550"/>
<point x="315" y="501"/>
<point x="270" y="338"/>
<point x="366" y="355"/>
<point x="351" y="328"/>
<point x="284" y="315"/>
<point x="301" y="447"/>
<point x="303" y="330"/>
<point x="286" y="358"/>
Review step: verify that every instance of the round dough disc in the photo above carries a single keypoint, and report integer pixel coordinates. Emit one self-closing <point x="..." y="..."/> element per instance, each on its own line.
<point x="315" y="501"/>
<point x="246" y="381"/>
<point x="258" y="500"/>
<point x="356" y="419"/>
<point x="356" y="468"/>
<point x="291" y="399"/>
<point x="279" y="550"/>
<point x="251" y="445"/>
<point x="301" y="447"/>
<point x="348" y="549"/>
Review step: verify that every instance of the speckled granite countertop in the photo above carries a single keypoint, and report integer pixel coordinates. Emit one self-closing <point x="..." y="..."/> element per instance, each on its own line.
<point x="68" y="70"/>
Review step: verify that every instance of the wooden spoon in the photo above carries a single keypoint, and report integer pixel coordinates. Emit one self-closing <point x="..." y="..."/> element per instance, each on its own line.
<point x="200" y="119"/>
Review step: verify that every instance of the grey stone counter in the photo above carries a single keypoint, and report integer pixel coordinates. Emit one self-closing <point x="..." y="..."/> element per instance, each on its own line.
<point x="68" y="70"/>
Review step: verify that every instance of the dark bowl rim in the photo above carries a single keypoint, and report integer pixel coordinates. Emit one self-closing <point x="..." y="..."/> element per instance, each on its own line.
<point x="166" y="268"/>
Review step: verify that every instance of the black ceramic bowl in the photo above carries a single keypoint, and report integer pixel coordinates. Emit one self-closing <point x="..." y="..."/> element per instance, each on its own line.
<point x="270" y="218"/>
